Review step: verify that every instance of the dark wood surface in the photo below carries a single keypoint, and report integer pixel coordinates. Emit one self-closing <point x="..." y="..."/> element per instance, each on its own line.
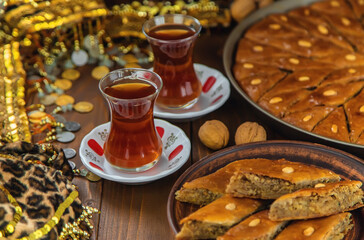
<point x="139" y="212"/>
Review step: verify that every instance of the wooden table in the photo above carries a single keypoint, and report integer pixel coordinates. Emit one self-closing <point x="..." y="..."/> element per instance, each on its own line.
<point x="139" y="212"/>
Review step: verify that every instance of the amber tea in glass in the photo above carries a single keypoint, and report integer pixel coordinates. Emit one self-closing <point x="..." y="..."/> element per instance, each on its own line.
<point x="172" y="38"/>
<point x="133" y="143"/>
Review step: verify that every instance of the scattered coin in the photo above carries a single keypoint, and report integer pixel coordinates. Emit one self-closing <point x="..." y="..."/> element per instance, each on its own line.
<point x="71" y="74"/>
<point x="64" y="100"/>
<point x="59" y="118"/>
<point x="72" y="126"/>
<point x="63" y="84"/>
<point x="79" y="58"/>
<point x="48" y="100"/>
<point x="94" y="51"/>
<point x="69" y="153"/>
<point x="89" y="175"/>
<point x="72" y="164"/>
<point x="99" y="72"/>
<point x="129" y="58"/>
<point x="65" y="137"/>
<point x="36" y="116"/>
<point x="56" y="95"/>
<point x="83" y="107"/>
<point x="132" y="65"/>
<point x="88" y="43"/>
<point x="92" y="177"/>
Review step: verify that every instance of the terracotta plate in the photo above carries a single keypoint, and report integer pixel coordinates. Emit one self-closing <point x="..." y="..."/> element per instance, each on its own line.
<point x="338" y="161"/>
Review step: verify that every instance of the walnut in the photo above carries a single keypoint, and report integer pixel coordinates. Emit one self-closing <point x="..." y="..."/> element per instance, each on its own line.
<point x="214" y="134"/>
<point x="241" y="8"/>
<point x="250" y="132"/>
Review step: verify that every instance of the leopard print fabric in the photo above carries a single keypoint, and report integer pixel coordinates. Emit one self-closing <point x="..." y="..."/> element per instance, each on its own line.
<point x="38" y="189"/>
<point x="35" y="152"/>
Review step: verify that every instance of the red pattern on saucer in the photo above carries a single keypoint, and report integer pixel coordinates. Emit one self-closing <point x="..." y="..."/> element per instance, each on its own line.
<point x="176" y="151"/>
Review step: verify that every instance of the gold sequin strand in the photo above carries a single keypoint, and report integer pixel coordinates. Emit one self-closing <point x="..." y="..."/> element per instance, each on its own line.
<point x="12" y="88"/>
<point x="10" y="227"/>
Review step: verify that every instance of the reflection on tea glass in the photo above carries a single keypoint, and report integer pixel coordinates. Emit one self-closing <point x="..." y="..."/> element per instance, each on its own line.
<point x="133" y="143"/>
<point x="172" y="38"/>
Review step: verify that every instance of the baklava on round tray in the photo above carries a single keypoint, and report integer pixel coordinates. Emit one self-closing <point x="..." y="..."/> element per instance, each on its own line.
<point x="306" y="67"/>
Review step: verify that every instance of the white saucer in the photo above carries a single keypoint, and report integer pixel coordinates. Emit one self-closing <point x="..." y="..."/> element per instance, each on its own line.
<point x="176" y="151"/>
<point x="215" y="92"/>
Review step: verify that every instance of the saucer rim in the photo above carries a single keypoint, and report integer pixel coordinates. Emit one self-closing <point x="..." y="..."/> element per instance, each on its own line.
<point x="141" y="179"/>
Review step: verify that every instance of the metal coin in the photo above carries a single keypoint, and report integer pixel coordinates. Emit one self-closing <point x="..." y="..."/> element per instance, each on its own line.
<point x="94" y="51"/>
<point x="59" y="118"/>
<point x="83" y="107"/>
<point x="79" y="58"/>
<point x="72" y="164"/>
<point x="88" y="43"/>
<point x="63" y="84"/>
<point x="65" y="137"/>
<point x="64" y="100"/>
<point x="129" y="58"/>
<point x="92" y="177"/>
<point x="99" y="71"/>
<point x="71" y="74"/>
<point x="36" y="116"/>
<point x="48" y="100"/>
<point x="72" y="126"/>
<point x="69" y="153"/>
<point x="132" y="65"/>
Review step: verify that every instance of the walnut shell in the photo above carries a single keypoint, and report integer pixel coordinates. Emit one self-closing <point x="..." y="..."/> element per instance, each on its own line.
<point x="241" y="8"/>
<point x="214" y="134"/>
<point x="250" y="132"/>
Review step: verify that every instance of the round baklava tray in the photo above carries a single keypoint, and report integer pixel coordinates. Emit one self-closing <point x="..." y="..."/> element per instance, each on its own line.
<point x="292" y="52"/>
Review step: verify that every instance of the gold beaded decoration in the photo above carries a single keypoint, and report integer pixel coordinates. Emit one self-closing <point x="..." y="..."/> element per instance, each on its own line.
<point x="10" y="227"/>
<point x="12" y="86"/>
<point x="54" y="220"/>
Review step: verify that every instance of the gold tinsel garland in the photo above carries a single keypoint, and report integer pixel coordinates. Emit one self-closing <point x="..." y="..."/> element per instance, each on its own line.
<point x="12" y="84"/>
<point x="53" y="29"/>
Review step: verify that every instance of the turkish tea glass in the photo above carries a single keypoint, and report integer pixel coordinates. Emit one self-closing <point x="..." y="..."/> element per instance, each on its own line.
<point x="133" y="143"/>
<point x="172" y="38"/>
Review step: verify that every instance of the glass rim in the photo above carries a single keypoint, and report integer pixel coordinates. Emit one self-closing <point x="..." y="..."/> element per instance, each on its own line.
<point x="158" y="89"/>
<point x="176" y="40"/>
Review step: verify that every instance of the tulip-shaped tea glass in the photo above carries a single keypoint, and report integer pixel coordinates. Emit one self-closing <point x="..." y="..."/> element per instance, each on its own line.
<point x="133" y="143"/>
<point x="172" y="38"/>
